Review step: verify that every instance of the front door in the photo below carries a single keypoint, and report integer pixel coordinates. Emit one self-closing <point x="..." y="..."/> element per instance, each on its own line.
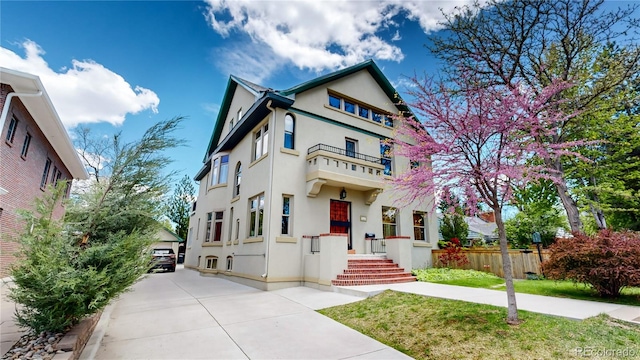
<point x="340" y="216"/>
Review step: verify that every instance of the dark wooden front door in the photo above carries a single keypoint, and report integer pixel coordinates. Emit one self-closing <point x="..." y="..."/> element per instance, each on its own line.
<point x="340" y="216"/>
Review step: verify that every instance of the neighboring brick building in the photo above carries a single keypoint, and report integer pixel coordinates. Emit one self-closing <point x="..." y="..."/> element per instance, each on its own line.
<point x="35" y="150"/>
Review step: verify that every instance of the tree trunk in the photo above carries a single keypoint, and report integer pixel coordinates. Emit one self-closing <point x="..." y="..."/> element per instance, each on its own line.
<point x="597" y="212"/>
<point x="512" y="308"/>
<point x="570" y="206"/>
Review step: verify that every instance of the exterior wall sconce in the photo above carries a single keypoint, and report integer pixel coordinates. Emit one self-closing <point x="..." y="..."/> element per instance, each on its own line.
<point x="343" y="194"/>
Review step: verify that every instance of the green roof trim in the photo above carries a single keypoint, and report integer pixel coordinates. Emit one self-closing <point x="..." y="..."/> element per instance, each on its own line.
<point x="222" y="115"/>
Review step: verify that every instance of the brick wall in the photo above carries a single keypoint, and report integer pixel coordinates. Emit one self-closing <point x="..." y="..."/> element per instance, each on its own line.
<point x="21" y="176"/>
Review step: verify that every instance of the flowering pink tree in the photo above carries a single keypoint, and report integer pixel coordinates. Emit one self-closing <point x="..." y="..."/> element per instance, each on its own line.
<point x="476" y="140"/>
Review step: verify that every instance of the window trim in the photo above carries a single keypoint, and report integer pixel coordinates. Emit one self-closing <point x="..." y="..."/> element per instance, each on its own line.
<point x="209" y="223"/>
<point x="394" y="223"/>
<point x="11" y="130"/>
<point x="260" y="142"/>
<point x="25" y="146"/>
<point x="237" y="179"/>
<point x="210" y="261"/>
<point x="423" y="216"/>
<point x="291" y="132"/>
<point x="229" y="264"/>
<point x="287" y="214"/>
<point x="218" y="176"/>
<point x="257" y="223"/>
<point x="217" y="221"/>
<point x="384" y="118"/>
<point x="45" y="173"/>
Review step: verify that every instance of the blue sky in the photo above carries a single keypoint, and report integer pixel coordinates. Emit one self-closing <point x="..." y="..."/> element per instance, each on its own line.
<point x="124" y="65"/>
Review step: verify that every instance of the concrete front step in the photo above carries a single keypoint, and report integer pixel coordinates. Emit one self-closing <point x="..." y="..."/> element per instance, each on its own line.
<point x="372" y="281"/>
<point x="392" y="275"/>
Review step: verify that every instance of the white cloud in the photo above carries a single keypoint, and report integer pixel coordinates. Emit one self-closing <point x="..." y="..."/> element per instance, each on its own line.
<point x="320" y="35"/>
<point x="85" y="93"/>
<point x="245" y="61"/>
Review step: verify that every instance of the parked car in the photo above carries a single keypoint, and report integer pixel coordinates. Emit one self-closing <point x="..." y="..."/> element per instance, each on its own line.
<point x="163" y="258"/>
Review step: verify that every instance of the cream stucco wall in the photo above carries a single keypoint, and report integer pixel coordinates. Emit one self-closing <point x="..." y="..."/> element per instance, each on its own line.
<point x="284" y="172"/>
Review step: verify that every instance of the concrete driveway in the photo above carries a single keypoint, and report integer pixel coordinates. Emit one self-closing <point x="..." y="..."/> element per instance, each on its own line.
<point x="183" y="315"/>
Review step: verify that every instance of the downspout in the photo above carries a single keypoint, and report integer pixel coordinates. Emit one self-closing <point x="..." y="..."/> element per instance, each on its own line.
<point x="272" y="126"/>
<point x="7" y="103"/>
<point x="5" y="113"/>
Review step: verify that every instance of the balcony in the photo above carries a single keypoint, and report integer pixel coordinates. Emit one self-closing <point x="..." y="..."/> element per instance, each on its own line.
<point x="329" y="165"/>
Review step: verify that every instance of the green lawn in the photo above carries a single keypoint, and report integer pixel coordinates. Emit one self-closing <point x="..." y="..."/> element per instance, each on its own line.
<point x="431" y="328"/>
<point x="566" y="289"/>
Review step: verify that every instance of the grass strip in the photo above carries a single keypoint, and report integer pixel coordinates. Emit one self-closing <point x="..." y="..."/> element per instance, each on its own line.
<point x="432" y="328"/>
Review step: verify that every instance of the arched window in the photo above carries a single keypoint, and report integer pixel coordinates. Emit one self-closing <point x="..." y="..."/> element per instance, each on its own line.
<point x="229" y="263"/>
<point x="289" y="131"/>
<point x="238" y="179"/>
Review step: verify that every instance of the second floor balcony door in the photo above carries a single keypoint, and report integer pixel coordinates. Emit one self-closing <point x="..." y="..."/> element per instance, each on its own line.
<point x="340" y="219"/>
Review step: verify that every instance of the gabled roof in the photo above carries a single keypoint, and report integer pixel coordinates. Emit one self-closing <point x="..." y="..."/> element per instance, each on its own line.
<point x="280" y="98"/>
<point x="46" y="117"/>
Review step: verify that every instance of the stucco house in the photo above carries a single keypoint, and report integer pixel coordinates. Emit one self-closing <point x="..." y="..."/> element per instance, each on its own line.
<point x="292" y="189"/>
<point x="35" y="151"/>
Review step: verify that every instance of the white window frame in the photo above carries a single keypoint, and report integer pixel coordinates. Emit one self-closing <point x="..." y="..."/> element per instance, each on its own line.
<point x="211" y="262"/>
<point x="219" y="170"/>
<point x="288" y="214"/>
<point x="217" y="221"/>
<point x="256" y="205"/>
<point x="207" y="233"/>
<point x="423" y="227"/>
<point x="261" y="142"/>
<point x="392" y="225"/>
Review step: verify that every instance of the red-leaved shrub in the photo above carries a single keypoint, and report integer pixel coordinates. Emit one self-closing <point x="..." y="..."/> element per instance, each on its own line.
<point x="608" y="261"/>
<point x="453" y="256"/>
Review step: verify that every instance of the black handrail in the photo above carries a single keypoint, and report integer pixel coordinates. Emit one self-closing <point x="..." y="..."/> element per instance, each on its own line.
<point x="315" y="244"/>
<point x="378" y="246"/>
<point x="343" y="152"/>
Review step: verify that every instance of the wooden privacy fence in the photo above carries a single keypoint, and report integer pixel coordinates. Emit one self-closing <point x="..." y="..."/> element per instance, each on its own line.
<point x="490" y="260"/>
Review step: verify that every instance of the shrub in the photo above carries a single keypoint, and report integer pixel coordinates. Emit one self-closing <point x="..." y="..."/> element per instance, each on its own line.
<point x="453" y="256"/>
<point x="608" y="261"/>
<point x="59" y="282"/>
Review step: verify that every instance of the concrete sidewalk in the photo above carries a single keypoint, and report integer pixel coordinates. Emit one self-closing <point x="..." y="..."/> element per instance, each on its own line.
<point x="183" y="315"/>
<point x="10" y="333"/>
<point x="569" y="308"/>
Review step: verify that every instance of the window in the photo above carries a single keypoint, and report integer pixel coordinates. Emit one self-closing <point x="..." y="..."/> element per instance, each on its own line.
<point x="217" y="226"/>
<point x="363" y="112"/>
<point x="190" y="237"/>
<point x="11" y="132"/>
<point x="207" y="236"/>
<point x="55" y="175"/>
<point x="256" y="215"/>
<point x="231" y="125"/>
<point x="238" y="179"/>
<point x="239" y="114"/>
<point x="419" y="222"/>
<point x="261" y="142"/>
<point x="385" y="154"/>
<point x="376" y="116"/>
<point x="25" y="145"/>
<point x="389" y="221"/>
<point x="349" y="107"/>
<point x="388" y="120"/>
<point x="351" y="147"/>
<point x="220" y="170"/>
<point x="230" y="224"/>
<point x="45" y="173"/>
<point x="237" y="228"/>
<point x="211" y="262"/>
<point x="289" y="127"/>
<point x="334" y="101"/>
<point x="229" y="263"/>
<point x="286" y="215"/>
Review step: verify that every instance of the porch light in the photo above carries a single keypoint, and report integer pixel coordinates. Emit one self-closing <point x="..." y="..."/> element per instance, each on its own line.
<point x="343" y="194"/>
